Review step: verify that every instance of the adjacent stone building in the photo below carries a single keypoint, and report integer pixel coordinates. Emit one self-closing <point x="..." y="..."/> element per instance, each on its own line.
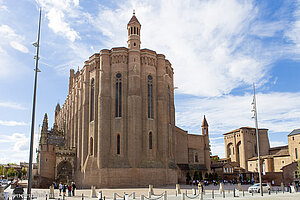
<point x="241" y="147"/>
<point x="117" y="125"/>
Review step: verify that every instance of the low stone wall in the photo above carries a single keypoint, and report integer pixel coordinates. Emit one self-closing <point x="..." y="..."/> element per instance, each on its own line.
<point x="128" y="177"/>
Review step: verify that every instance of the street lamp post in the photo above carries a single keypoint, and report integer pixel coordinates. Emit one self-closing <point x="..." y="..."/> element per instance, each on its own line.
<point x="257" y="138"/>
<point x="37" y="45"/>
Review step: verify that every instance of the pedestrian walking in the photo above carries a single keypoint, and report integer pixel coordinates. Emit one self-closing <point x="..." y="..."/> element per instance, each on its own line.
<point x="73" y="188"/>
<point x="60" y="187"/>
<point x="69" y="190"/>
<point x="64" y="189"/>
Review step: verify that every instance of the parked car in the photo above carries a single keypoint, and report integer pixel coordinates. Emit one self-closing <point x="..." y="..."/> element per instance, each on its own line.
<point x="256" y="187"/>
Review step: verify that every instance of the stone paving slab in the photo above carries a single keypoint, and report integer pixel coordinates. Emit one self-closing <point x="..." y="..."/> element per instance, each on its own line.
<point x="108" y="193"/>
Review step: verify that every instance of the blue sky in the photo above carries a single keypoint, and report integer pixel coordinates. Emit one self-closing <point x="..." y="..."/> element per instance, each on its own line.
<point x="217" y="49"/>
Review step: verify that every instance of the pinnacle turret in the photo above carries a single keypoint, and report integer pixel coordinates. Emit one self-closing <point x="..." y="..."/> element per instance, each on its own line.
<point x="204" y="123"/>
<point x="45" y="123"/>
<point x="134" y="33"/>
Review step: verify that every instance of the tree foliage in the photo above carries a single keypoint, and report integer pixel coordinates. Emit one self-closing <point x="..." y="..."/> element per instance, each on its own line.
<point x="23" y="172"/>
<point x="3" y="171"/>
<point x="12" y="172"/>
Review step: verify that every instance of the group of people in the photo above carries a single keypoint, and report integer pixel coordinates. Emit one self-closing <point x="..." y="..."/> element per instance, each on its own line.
<point x="70" y="187"/>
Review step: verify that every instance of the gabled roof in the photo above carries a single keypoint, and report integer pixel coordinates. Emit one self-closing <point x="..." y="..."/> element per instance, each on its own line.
<point x="295" y="132"/>
<point x="133" y="19"/>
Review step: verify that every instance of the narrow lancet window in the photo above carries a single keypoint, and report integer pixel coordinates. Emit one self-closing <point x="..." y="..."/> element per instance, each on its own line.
<point x="196" y="158"/>
<point x="150" y="97"/>
<point x="91" y="146"/>
<point x="150" y="140"/>
<point x="118" y="144"/>
<point x="169" y="103"/>
<point x="92" y="100"/>
<point x="118" y="95"/>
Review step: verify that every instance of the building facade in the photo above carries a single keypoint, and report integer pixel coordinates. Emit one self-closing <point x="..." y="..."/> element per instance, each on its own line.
<point x="118" y="123"/>
<point x="240" y="147"/>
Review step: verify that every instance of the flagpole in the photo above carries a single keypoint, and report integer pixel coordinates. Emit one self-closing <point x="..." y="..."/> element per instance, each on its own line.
<point x="37" y="45"/>
<point x="257" y="139"/>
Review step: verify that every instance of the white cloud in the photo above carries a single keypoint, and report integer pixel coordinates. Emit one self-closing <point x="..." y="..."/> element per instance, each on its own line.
<point x="2" y="6"/>
<point x="207" y="42"/>
<point x="8" y="61"/>
<point x="277" y="143"/>
<point x="18" y="46"/>
<point x="60" y="13"/>
<point x="279" y="112"/>
<point x="15" y="147"/>
<point x="9" y="36"/>
<point x="12" y="105"/>
<point x="293" y="33"/>
<point x="12" y="123"/>
<point x="20" y="141"/>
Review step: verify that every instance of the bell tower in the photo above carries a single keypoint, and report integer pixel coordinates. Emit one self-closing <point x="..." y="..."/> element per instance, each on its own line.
<point x="204" y="126"/>
<point x="134" y="33"/>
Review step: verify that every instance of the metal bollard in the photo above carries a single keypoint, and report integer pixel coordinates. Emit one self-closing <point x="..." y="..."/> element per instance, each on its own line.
<point x="252" y="193"/>
<point x="133" y="195"/>
<point x="269" y="192"/>
<point x="63" y="196"/>
<point x="46" y="196"/>
<point x="233" y="192"/>
<point x="243" y="193"/>
<point x="115" y="196"/>
<point x="182" y="196"/>
<point x="212" y="194"/>
<point x="165" y="196"/>
<point x="142" y="197"/>
<point x="81" y="196"/>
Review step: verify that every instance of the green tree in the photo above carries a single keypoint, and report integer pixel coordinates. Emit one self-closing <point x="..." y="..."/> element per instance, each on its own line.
<point x="2" y="171"/>
<point x="11" y="172"/>
<point x="23" y="172"/>
<point x="206" y="175"/>
<point x="200" y="176"/>
<point x="216" y="177"/>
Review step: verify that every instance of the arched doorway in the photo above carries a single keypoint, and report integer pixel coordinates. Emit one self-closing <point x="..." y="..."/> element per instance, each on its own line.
<point x="64" y="172"/>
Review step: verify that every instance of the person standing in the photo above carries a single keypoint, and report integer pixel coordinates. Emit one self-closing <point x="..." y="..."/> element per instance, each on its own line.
<point x="69" y="190"/>
<point x="73" y="188"/>
<point x="60" y="187"/>
<point x="64" y="189"/>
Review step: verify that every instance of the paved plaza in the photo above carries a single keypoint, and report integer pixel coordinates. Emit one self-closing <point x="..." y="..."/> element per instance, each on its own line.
<point x="211" y="192"/>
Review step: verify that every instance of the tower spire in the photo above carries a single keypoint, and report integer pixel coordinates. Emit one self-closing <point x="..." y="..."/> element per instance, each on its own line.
<point x="134" y="32"/>
<point x="204" y="123"/>
<point x="204" y="126"/>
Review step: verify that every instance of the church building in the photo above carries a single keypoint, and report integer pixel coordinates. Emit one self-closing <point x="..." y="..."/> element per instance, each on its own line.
<point x="117" y="128"/>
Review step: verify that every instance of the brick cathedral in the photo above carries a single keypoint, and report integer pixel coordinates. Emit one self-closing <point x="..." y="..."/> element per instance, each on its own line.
<point x="117" y="125"/>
